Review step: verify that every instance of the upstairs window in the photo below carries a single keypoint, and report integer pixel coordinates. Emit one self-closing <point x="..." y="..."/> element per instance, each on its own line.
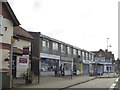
<point x="86" y="56"/>
<point x="45" y="43"/>
<point x="74" y="51"/>
<point x="63" y="48"/>
<point x="69" y="49"/>
<point x="83" y="55"/>
<point x="92" y="57"/>
<point x="89" y="56"/>
<point x="79" y="52"/>
<point x="55" y="46"/>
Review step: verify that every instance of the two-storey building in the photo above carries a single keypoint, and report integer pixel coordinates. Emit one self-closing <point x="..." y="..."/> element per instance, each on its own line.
<point x="7" y="22"/>
<point x="105" y="60"/>
<point x="50" y="54"/>
<point x="21" y="51"/>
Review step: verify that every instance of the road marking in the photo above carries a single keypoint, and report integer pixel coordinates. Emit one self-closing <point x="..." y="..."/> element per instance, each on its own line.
<point x="117" y="79"/>
<point x="114" y="84"/>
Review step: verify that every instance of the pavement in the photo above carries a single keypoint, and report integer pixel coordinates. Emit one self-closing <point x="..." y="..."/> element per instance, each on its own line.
<point x="53" y="82"/>
<point x="56" y="82"/>
<point x="108" y="75"/>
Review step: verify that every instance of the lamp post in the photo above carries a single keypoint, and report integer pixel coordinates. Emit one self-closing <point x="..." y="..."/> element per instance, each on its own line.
<point x="107" y="43"/>
<point x="107" y="52"/>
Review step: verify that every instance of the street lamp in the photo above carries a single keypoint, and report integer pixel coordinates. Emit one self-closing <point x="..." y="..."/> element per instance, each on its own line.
<point x="108" y="44"/>
<point x="107" y="52"/>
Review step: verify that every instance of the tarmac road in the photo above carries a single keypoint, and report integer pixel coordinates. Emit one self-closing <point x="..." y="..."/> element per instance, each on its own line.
<point x="97" y="83"/>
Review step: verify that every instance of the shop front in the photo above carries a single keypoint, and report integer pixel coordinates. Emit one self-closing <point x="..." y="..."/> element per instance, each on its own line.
<point x="67" y="64"/>
<point x="86" y="67"/>
<point x="49" y="64"/>
<point x="77" y="66"/>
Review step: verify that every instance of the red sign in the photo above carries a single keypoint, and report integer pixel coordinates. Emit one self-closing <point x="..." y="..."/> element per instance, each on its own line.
<point x="22" y="60"/>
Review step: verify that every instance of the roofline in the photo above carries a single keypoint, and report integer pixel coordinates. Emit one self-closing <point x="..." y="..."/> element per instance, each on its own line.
<point x="16" y="22"/>
<point x="61" y="42"/>
<point x="16" y="35"/>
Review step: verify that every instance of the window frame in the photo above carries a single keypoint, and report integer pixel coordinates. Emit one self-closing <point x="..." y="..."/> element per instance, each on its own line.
<point x="63" y="48"/>
<point x="54" y="45"/>
<point x="46" y="43"/>
<point x="74" y="51"/>
<point x="69" y="50"/>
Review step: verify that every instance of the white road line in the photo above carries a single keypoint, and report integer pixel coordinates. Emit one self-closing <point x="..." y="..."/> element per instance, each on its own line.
<point x="114" y="84"/>
<point x="117" y="79"/>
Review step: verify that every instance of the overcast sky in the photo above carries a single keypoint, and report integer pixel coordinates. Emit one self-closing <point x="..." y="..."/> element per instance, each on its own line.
<point x="83" y="23"/>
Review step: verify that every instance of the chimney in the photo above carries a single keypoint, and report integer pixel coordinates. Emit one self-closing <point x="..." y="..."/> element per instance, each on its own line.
<point x="106" y="50"/>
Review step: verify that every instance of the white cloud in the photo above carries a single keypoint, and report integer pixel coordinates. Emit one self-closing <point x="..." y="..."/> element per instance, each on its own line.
<point x="83" y="23"/>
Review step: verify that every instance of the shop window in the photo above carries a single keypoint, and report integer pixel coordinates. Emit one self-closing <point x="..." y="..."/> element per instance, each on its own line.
<point x="67" y="66"/>
<point x="49" y="65"/>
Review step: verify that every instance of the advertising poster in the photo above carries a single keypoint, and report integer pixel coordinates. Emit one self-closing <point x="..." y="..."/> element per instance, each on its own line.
<point x="22" y="65"/>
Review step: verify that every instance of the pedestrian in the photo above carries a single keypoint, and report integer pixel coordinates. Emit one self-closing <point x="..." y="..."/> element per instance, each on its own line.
<point x="63" y="71"/>
<point x="74" y="70"/>
<point x="56" y="71"/>
<point x="60" y="70"/>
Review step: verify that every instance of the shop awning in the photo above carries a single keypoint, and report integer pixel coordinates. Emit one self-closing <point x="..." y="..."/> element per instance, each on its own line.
<point x="17" y="50"/>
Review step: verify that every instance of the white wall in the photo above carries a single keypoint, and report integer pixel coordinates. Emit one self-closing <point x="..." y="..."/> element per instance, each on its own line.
<point x="22" y="43"/>
<point x="22" y="68"/>
<point x="6" y="38"/>
<point x="4" y="63"/>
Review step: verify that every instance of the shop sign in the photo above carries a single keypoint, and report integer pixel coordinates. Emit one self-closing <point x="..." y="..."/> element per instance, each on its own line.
<point x="23" y="60"/>
<point x="44" y="55"/>
<point x="22" y="65"/>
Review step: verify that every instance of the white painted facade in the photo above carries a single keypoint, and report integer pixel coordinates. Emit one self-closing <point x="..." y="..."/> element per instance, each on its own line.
<point x="5" y="63"/>
<point x="107" y="65"/>
<point x="20" y="43"/>
<point x="6" y="31"/>
<point x="22" y="68"/>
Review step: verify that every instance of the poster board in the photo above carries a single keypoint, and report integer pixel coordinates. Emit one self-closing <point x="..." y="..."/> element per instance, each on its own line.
<point x="22" y="65"/>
